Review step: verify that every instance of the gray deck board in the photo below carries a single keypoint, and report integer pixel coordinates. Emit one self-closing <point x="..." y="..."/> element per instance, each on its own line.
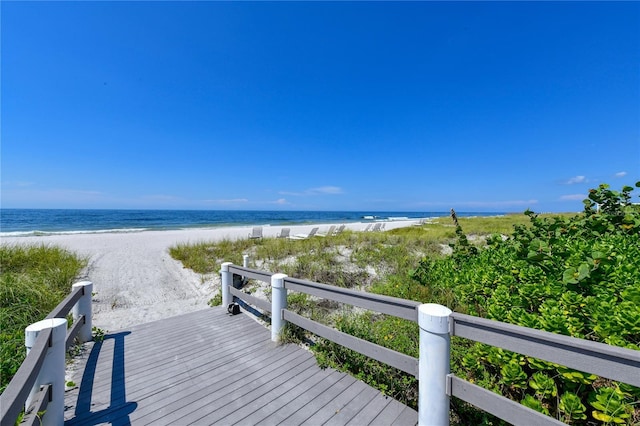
<point x="209" y="367"/>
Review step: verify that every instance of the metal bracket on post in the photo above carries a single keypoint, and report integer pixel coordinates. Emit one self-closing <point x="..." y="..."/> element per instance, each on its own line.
<point x="449" y="385"/>
<point x="452" y="326"/>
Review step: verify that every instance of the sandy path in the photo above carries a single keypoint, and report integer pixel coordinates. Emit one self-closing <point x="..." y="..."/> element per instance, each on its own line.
<point x="135" y="279"/>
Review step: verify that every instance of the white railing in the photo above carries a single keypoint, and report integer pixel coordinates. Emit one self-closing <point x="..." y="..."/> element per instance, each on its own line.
<point x="39" y="383"/>
<point x="437" y="324"/>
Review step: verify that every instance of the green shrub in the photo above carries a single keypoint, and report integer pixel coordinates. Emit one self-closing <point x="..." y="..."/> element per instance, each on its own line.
<point x="577" y="276"/>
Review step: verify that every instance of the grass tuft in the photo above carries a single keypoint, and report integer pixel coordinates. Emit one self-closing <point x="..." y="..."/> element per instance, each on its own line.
<point x="33" y="280"/>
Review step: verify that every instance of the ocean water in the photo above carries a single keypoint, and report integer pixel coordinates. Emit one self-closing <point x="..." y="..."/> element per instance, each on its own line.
<point x="23" y="222"/>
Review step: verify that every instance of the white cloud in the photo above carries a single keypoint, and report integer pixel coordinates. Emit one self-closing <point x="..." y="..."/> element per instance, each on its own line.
<point x="326" y="190"/>
<point x="322" y="190"/>
<point x="620" y="174"/>
<point x="161" y="197"/>
<point x="572" y="197"/>
<point x="228" y="201"/>
<point x="280" y="201"/>
<point x="485" y="204"/>
<point x="576" y="179"/>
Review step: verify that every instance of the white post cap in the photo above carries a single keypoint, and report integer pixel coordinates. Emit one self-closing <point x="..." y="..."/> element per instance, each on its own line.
<point x="46" y="323"/>
<point x="277" y="280"/>
<point x="434" y="318"/>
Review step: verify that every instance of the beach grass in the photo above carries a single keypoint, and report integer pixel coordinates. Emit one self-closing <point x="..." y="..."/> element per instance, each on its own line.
<point x="33" y="280"/>
<point x="393" y="251"/>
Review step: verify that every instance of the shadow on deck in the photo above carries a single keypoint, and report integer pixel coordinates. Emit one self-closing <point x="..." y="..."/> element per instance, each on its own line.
<point x="208" y="368"/>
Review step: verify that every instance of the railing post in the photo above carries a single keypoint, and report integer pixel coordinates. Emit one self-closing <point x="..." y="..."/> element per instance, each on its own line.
<point x="434" y="364"/>
<point x="245" y="260"/>
<point x="83" y="307"/>
<point x="227" y="281"/>
<point x="278" y="303"/>
<point x="52" y="370"/>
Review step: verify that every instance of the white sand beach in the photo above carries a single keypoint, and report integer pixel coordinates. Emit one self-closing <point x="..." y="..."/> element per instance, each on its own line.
<point x="135" y="280"/>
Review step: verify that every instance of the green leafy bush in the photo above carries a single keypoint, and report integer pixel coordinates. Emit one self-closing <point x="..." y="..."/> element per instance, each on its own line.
<point x="575" y="276"/>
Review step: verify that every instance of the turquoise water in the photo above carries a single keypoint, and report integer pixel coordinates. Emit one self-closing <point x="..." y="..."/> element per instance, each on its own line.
<point x="17" y="222"/>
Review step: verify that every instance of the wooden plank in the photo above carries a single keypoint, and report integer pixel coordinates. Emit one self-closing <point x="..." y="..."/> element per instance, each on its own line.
<point x="140" y="390"/>
<point x="231" y="390"/>
<point x="389" y="414"/>
<point x="390" y="357"/>
<point x="371" y="410"/>
<point x="265" y="305"/>
<point x="407" y="417"/>
<point x="144" y="361"/>
<point x="258" y="382"/>
<point x="148" y="357"/>
<point x="207" y="379"/>
<point x="402" y="308"/>
<point x="204" y="384"/>
<point x="352" y="409"/>
<point x="16" y="393"/>
<point x="289" y="396"/>
<point x="603" y="360"/>
<point x="262" y="395"/>
<point x="182" y="372"/>
<point x="320" y="401"/>
<point x="330" y="408"/>
<point x="333" y="382"/>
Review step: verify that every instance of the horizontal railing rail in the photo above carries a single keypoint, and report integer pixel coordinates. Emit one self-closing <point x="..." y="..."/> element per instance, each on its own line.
<point x="611" y="362"/>
<point x="64" y="307"/>
<point x="390" y="357"/>
<point x="493" y="403"/>
<point x="265" y="305"/>
<point x="406" y="309"/>
<point x="437" y="324"/>
<point x="255" y="274"/>
<point x="47" y="341"/>
<point x="401" y="308"/>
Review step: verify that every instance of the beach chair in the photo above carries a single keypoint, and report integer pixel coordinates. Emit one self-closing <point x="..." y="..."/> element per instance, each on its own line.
<point x="377" y="227"/>
<point x="284" y="233"/>
<point x="366" y="228"/>
<point x="256" y="233"/>
<point x="304" y="236"/>
<point x="328" y="233"/>
<point x="339" y="230"/>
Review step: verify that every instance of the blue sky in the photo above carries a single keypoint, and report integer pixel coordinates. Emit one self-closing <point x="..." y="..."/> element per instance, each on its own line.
<point x="388" y="106"/>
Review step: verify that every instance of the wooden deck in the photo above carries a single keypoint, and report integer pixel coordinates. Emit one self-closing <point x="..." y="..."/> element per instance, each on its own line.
<point x="209" y="367"/>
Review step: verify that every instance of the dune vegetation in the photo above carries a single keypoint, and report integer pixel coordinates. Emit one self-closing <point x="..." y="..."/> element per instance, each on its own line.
<point x="572" y="274"/>
<point x="33" y="280"/>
